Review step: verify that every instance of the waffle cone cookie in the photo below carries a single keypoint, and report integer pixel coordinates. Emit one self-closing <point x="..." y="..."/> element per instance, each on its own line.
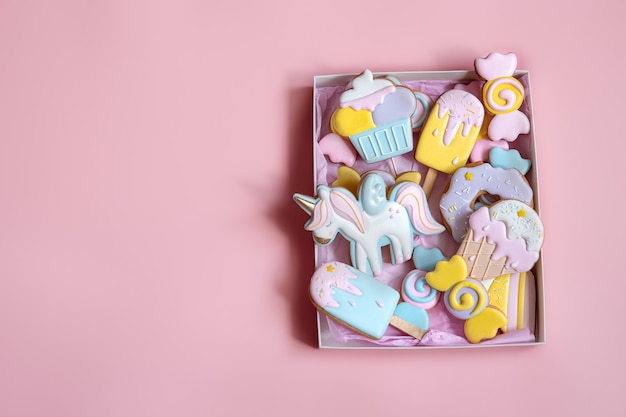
<point x="503" y="238"/>
<point x="478" y="257"/>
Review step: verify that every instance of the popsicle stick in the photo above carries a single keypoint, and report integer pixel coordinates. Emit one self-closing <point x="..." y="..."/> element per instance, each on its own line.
<point x="395" y="168"/>
<point x="429" y="181"/>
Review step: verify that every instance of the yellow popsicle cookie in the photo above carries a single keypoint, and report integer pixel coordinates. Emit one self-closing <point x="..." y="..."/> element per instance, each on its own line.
<point x="450" y="131"/>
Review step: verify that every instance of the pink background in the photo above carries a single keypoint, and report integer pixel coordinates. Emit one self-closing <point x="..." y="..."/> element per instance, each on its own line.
<point x="152" y="262"/>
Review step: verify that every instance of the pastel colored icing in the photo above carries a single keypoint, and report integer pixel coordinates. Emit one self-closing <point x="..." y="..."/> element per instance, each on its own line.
<point x="423" y="105"/>
<point x="447" y="273"/>
<point x="464" y="111"/>
<point x="474" y="87"/>
<point x="367" y="92"/>
<point x="508" y="126"/>
<point x="466" y="299"/>
<point x="416" y="291"/>
<point x="520" y="220"/>
<point x="411" y="320"/>
<point x="515" y="295"/>
<point x="384" y="142"/>
<point x="515" y="230"/>
<point x="353" y="298"/>
<point x="502" y="96"/>
<point x="496" y="65"/>
<point x="449" y="134"/>
<point x="508" y="159"/>
<point x="377" y="116"/>
<point x="426" y="259"/>
<point x="338" y="149"/>
<point x="467" y="184"/>
<point x="482" y="147"/>
<point x="485" y="325"/>
<point x="371" y="221"/>
<point x="350" y="179"/>
<point x="348" y="122"/>
<point x="398" y="105"/>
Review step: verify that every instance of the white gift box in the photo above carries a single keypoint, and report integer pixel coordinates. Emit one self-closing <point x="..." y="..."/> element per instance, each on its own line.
<point x="326" y="90"/>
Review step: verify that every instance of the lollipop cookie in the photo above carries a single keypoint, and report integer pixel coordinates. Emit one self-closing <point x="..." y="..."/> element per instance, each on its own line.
<point x="466" y="299"/>
<point x="416" y="291"/>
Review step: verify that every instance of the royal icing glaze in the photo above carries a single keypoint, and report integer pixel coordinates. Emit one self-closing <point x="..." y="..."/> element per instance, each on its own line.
<point x="513" y="228"/>
<point x="483" y="147"/>
<point x="424" y="104"/>
<point x="502" y="95"/>
<point x="466" y="299"/>
<point x="467" y="184"/>
<point x="509" y="159"/>
<point x="508" y="126"/>
<point x="449" y="134"/>
<point x="411" y="320"/>
<point x="417" y="292"/>
<point x="377" y="116"/>
<point x="337" y="149"/>
<point x="353" y="298"/>
<point x="520" y="220"/>
<point x="426" y="259"/>
<point x="371" y="221"/>
<point x="485" y="325"/>
<point x="447" y="273"/>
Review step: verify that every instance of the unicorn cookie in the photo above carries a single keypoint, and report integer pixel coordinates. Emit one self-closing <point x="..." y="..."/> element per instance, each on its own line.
<point x="370" y="221"/>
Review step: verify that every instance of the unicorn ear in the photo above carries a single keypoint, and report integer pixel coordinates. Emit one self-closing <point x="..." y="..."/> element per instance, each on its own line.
<point x="306" y="203"/>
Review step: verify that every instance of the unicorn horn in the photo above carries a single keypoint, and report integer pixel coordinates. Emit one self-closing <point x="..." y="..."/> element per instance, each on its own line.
<point x="306" y="203"/>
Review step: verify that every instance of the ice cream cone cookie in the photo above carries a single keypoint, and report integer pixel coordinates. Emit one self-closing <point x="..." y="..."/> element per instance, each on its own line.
<point x="503" y="238"/>
<point x="352" y="298"/>
<point x="468" y="184"/>
<point x="377" y="116"/>
<point x="449" y="134"/>
<point x="502" y="96"/>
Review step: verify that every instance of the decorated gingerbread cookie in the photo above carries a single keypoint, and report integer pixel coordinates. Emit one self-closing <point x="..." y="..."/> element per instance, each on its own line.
<point x="371" y="221"/>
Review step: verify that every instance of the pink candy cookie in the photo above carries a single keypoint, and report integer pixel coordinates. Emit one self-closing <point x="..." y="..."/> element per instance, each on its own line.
<point x="338" y="149"/>
<point x="502" y="96"/>
<point x="480" y="152"/>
